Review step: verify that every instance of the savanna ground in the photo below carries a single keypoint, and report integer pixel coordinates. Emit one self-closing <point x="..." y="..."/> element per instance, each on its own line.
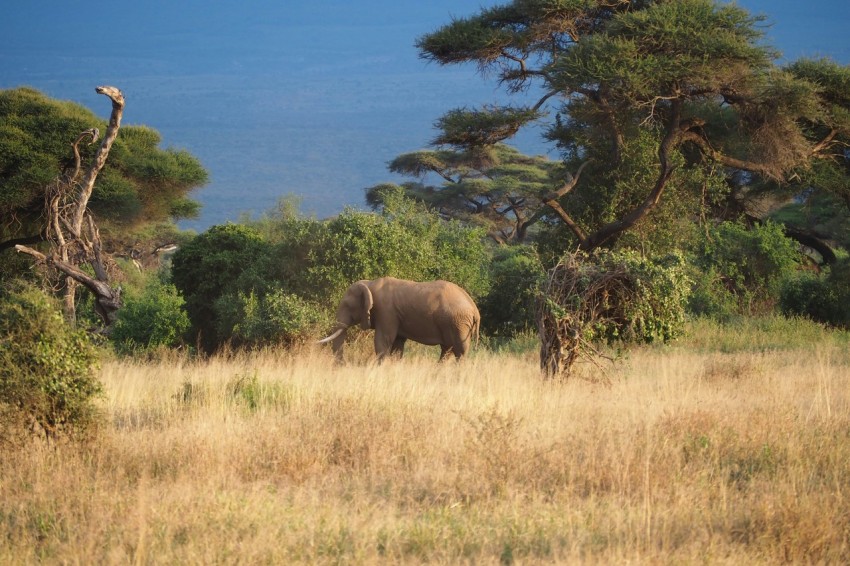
<point x="731" y="446"/>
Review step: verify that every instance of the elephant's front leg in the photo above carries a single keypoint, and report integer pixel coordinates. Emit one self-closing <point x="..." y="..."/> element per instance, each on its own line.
<point x="384" y="343"/>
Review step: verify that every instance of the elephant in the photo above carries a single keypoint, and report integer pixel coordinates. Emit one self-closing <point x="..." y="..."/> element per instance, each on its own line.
<point x="431" y="313"/>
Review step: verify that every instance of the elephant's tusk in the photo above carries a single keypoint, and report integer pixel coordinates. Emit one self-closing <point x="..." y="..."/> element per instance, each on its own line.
<point x="331" y="337"/>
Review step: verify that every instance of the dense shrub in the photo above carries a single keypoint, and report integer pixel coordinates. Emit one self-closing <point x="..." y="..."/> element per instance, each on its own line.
<point x="821" y="297"/>
<point x="47" y="374"/>
<point x="251" y="320"/>
<point x="216" y="263"/>
<point x="659" y="295"/>
<point x="710" y="297"/>
<point x="151" y="319"/>
<point x="405" y="241"/>
<point x="742" y="269"/>
<point x="516" y="275"/>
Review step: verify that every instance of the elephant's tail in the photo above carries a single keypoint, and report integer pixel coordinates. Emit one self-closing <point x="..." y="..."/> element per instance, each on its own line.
<point x="474" y="331"/>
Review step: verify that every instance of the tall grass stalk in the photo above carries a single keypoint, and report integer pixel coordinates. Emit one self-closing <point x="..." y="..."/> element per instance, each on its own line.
<point x="688" y="456"/>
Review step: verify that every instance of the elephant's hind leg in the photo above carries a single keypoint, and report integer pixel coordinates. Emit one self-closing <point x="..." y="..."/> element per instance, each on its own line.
<point x="445" y="352"/>
<point x="459" y="348"/>
<point x="398" y="347"/>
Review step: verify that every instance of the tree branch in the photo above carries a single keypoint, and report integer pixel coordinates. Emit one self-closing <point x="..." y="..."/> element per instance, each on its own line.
<point x="24" y="240"/>
<point x="94" y="133"/>
<point x="567" y="219"/>
<point x="671" y="139"/>
<point x="108" y="299"/>
<point x="551" y="200"/>
<point x="87" y="184"/>
<point x="702" y="144"/>
<point x="825" y="142"/>
<point x="569" y="185"/>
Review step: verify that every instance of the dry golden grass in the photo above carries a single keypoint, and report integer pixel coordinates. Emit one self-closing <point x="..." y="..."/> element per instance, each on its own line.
<point x="274" y="458"/>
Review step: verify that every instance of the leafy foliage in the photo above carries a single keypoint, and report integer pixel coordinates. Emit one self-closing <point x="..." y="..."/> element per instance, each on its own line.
<point x="742" y="269"/>
<point x="821" y="297"/>
<point x="212" y="265"/>
<point x="464" y="128"/>
<point x="516" y="276"/>
<point x="276" y="317"/>
<point x="496" y="187"/>
<point x="47" y="374"/>
<point x="139" y="181"/>
<point x="152" y="319"/>
<point x="405" y="241"/>
<point x="608" y="297"/>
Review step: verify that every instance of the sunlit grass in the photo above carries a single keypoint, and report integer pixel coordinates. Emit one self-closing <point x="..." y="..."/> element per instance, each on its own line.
<point x="692" y="454"/>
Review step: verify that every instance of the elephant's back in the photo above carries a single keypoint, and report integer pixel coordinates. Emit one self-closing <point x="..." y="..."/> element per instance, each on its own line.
<point x="455" y="304"/>
<point x="433" y="297"/>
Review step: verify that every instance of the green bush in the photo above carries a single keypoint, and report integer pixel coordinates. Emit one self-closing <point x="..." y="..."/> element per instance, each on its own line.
<point x="47" y="376"/>
<point x="152" y="319"/>
<point x="821" y="297"/>
<point x="742" y="266"/>
<point x="614" y="297"/>
<point x="660" y="289"/>
<point x="218" y="262"/>
<point x="516" y="275"/>
<point x="252" y="320"/>
<point x="710" y="297"/>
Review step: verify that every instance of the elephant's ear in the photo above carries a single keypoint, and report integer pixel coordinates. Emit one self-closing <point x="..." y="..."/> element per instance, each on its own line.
<point x="366" y="297"/>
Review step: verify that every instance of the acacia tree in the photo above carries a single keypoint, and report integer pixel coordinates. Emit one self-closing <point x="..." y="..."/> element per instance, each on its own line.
<point x="137" y="195"/>
<point x="690" y="78"/>
<point x="497" y="187"/>
<point x="50" y="196"/>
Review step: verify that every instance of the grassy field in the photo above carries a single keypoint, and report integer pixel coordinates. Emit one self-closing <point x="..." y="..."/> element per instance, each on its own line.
<point x="731" y="447"/>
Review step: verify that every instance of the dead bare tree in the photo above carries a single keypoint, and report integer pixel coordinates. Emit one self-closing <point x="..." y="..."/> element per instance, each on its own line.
<point x="70" y="228"/>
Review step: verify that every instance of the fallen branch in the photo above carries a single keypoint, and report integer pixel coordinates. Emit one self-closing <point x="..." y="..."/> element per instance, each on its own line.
<point x="107" y="299"/>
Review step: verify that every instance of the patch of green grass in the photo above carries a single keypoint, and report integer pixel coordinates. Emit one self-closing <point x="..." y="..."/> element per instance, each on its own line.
<point x="758" y="334"/>
<point x="253" y="394"/>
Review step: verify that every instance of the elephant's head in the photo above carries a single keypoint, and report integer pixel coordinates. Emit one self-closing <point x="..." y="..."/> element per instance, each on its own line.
<point x="354" y="308"/>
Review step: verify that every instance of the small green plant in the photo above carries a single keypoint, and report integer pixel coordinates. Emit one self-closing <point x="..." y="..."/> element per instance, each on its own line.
<point x="249" y="391"/>
<point x="47" y="379"/>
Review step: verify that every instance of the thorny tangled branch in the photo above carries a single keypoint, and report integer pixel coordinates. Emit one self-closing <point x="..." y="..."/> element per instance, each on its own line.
<point x="578" y="302"/>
